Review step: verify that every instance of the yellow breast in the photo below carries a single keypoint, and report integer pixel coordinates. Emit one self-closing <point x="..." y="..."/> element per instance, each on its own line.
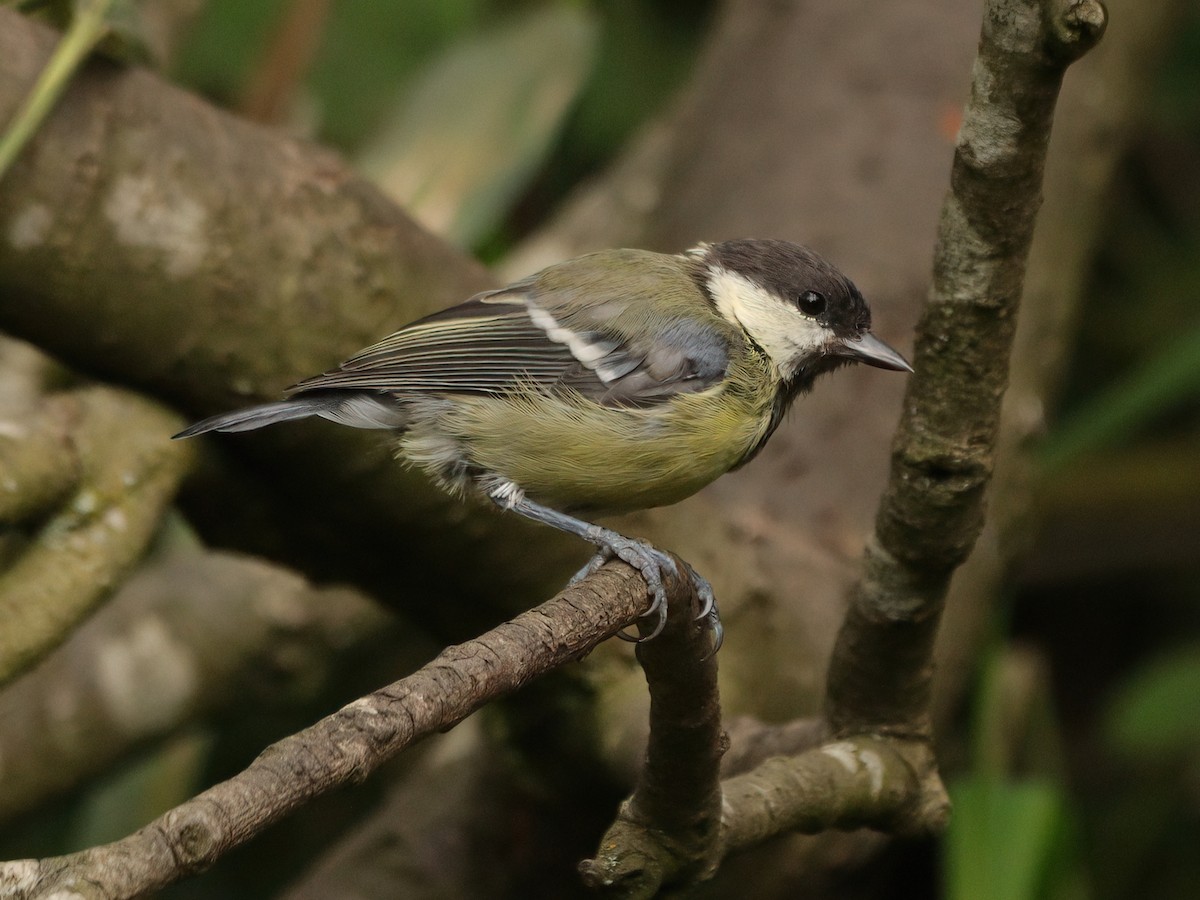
<point x="573" y="454"/>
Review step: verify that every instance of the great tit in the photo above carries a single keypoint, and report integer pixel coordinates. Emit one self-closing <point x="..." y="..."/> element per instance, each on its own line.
<point x="615" y="381"/>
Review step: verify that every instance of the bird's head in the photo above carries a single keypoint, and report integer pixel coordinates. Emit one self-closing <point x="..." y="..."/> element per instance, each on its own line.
<point x="806" y="316"/>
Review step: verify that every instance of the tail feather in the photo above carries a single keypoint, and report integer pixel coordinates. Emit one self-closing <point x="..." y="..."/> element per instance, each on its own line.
<point x="358" y="409"/>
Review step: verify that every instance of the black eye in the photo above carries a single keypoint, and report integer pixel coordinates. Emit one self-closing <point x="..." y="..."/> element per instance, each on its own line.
<point x="811" y="303"/>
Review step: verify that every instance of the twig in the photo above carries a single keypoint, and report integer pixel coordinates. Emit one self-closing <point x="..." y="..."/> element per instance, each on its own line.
<point x="1096" y="120"/>
<point x="342" y="748"/>
<point x="888" y="785"/>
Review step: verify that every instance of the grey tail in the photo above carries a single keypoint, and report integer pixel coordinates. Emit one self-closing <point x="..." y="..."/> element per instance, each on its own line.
<point x="359" y="409"/>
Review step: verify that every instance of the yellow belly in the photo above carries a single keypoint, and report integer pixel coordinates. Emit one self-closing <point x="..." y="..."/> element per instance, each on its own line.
<point x="631" y="458"/>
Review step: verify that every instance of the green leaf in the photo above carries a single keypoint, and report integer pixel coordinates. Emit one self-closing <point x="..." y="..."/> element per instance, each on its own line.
<point x="1171" y="376"/>
<point x="1002" y="838"/>
<point x="87" y="27"/>
<point x="1157" y="711"/>
<point x="480" y="121"/>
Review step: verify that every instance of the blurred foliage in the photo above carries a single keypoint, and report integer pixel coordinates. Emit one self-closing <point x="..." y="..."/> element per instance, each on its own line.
<point x="1142" y="307"/>
<point x="1168" y="380"/>
<point x="455" y="154"/>
<point x="1005" y="840"/>
<point x="1156" y="713"/>
<point x="1147" y="822"/>
<point x="1014" y="831"/>
<point x="141" y="790"/>
<point x="380" y="71"/>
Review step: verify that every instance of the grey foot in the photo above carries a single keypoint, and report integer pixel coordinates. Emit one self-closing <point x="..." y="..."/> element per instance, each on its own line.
<point x="654" y="566"/>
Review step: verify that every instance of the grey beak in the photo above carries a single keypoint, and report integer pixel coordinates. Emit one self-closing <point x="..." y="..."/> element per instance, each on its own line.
<point x="874" y="352"/>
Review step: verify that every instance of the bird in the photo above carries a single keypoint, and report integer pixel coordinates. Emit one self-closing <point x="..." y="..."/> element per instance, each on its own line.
<point x="615" y="381"/>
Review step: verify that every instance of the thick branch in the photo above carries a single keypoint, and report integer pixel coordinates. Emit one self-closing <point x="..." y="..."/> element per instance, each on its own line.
<point x="932" y="511"/>
<point x="342" y="748"/>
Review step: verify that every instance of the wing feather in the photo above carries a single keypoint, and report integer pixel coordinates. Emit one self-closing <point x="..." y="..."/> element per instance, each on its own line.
<point x="534" y="334"/>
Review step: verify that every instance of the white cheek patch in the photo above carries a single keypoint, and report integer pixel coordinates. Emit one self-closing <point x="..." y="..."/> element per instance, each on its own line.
<point x="784" y="333"/>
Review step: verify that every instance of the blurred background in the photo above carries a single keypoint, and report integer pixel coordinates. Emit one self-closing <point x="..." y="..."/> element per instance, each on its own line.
<point x="1072" y="742"/>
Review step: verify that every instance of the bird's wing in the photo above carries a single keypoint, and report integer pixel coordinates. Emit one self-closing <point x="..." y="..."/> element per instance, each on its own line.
<point x="533" y="334"/>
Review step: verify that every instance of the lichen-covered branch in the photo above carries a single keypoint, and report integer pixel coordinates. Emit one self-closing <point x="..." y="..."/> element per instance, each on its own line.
<point x="866" y="782"/>
<point x="177" y="641"/>
<point x="932" y="511"/>
<point x="342" y="748"/>
<point x="127" y="476"/>
<point x="38" y="462"/>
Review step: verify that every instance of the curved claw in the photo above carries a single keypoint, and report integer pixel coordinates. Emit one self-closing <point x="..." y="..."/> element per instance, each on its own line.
<point x="708" y="610"/>
<point x="704" y="590"/>
<point x="658" y="626"/>
<point x="652" y="563"/>
<point x="718" y="634"/>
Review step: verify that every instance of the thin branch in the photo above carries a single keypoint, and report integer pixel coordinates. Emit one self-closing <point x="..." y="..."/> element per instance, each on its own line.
<point x="343" y="748"/>
<point x="886" y="784"/>
<point x="668" y="829"/>
<point x="1097" y="118"/>
<point x="932" y="511"/>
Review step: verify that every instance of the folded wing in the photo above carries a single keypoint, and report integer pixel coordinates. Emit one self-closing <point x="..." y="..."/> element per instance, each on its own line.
<point x="530" y="335"/>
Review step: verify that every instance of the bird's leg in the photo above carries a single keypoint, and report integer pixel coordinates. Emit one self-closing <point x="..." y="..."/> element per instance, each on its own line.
<point x="647" y="559"/>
